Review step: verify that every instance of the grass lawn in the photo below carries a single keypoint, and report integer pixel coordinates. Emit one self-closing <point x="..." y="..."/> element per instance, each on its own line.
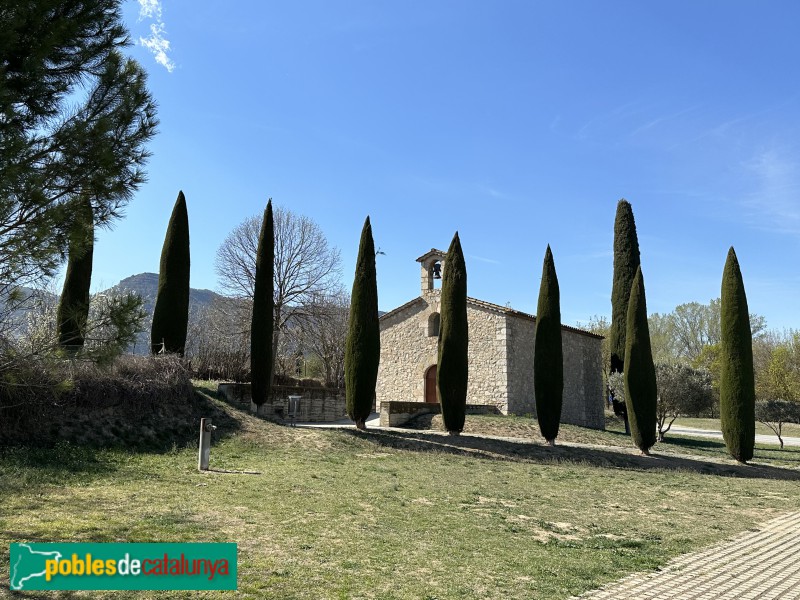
<point x="341" y="514"/>
<point x="789" y="429"/>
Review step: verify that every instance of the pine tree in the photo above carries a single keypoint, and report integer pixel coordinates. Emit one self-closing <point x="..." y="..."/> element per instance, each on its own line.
<point x="263" y="324"/>
<point x="452" y="372"/>
<point x="73" y="307"/>
<point x="737" y="381"/>
<point x="548" y="366"/>
<point x="626" y="261"/>
<point x="363" y="346"/>
<point x="641" y="393"/>
<point x="76" y="119"/>
<point x="171" y="312"/>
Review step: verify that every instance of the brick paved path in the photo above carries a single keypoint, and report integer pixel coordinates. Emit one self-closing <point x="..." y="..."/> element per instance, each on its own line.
<point x="758" y="564"/>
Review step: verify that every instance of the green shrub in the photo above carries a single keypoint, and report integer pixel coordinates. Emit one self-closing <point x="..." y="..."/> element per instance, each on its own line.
<point x="682" y="390"/>
<point x="775" y="413"/>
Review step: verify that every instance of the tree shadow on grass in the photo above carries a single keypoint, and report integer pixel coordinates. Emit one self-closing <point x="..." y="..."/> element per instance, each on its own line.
<point x="695" y="443"/>
<point x="716" y="447"/>
<point x="608" y="457"/>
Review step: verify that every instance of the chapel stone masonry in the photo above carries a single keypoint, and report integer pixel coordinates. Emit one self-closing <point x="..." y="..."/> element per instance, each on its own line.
<point x="501" y="343"/>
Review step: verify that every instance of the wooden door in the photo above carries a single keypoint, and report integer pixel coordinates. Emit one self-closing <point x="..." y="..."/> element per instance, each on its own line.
<point x="430" y="385"/>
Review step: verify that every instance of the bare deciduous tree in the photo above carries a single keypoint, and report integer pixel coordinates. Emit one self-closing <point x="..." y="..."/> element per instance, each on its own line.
<point x="326" y="335"/>
<point x="218" y="345"/>
<point x="306" y="266"/>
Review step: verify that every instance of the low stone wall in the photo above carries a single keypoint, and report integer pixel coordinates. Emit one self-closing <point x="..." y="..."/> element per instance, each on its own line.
<point x="317" y="405"/>
<point x="396" y="413"/>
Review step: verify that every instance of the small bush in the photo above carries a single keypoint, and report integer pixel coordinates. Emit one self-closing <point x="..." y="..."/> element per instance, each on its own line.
<point x="776" y="413"/>
<point x="139" y="381"/>
<point x="44" y="400"/>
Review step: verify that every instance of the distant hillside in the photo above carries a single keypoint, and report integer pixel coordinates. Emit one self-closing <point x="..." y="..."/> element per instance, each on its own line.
<point x="146" y="285"/>
<point x="143" y="284"/>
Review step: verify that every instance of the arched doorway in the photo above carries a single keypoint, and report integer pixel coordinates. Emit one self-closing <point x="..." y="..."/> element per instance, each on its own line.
<point x="430" y="385"/>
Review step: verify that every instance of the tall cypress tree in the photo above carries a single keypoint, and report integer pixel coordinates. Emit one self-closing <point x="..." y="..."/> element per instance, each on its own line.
<point x="262" y="325"/>
<point x="626" y="261"/>
<point x="452" y="372"/>
<point x="737" y="382"/>
<point x="171" y="313"/>
<point x="363" y="346"/>
<point x="548" y="366"/>
<point x="73" y="308"/>
<point x="641" y="392"/>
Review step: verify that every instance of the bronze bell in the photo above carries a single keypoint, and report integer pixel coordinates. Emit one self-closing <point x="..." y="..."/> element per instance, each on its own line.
<point x="437" y="270"/>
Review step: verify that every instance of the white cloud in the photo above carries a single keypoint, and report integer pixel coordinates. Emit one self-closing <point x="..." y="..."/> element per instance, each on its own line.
<point x="491" y="261"/>
<point x="157" y="43"/>
<point x="775" y="201"/>
<point x="150" y="9"/>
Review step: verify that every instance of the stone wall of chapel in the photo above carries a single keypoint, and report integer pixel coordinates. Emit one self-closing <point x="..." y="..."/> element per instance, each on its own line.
<point x="500" y="362"/>
<point x="407" y="352"/>
<point x="583" y="380"/>
<point x="521" y="332"/>
<point x="488" y="358"/>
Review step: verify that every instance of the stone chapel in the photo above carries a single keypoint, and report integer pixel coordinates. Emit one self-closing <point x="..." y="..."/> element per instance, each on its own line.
<point x="501" y="343"/>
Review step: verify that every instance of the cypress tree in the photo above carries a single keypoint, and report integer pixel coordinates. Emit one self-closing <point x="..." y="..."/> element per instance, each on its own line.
<point x="452" y="372"/>
<point x="363" y="345"/>
<point x="548" y="366"/>
<point x="737" y="381"/>
<point x="171" y="312"/>
<point x="73" y="308"/>
<point x="262" y="325"/>
<point x="641" y="392"/>
<point x="626" y="261"/>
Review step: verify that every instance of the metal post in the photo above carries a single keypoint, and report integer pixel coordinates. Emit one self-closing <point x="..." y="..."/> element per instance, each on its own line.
<point x="294" y="408"/>
<point x="205" y="444"/>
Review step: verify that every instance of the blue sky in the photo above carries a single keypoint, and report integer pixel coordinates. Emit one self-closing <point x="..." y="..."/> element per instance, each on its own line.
<point x="517" y="123"/>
